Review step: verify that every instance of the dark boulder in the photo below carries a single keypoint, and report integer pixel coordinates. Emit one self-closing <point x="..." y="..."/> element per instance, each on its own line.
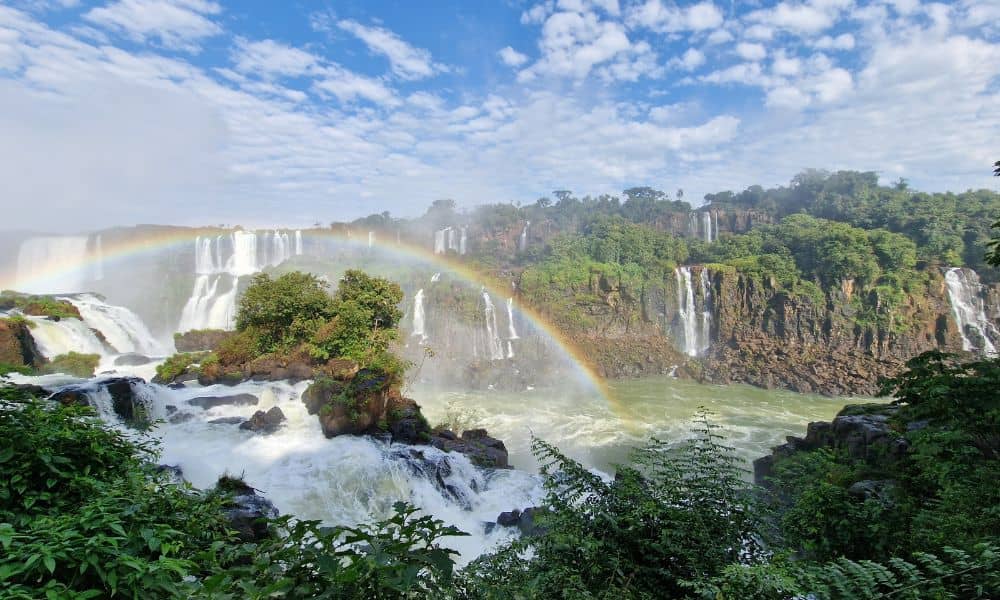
<point x="246" y="510"/>
<point x="227" y="421"/>
<point x="482" y="450"/>
<point x="264" y="422"/>
<point x="406" y="423"/>
<point x="17" y="347"/>
<point x="208" y="402"/>
<point x="321" y="392"/>
<point x="125" y="402"/>
<point x="173" y="473"/>
<point x="525" y="520"/>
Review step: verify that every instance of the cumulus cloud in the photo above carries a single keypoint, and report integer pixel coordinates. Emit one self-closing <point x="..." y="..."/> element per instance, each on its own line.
<point x="748" y="51"/>
<point x="511" y="57"/>
<point x="690" y="60"/>
<point x="655" y="15"/>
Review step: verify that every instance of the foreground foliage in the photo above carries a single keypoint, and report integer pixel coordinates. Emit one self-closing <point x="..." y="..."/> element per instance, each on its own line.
<point x="83" y="513"/>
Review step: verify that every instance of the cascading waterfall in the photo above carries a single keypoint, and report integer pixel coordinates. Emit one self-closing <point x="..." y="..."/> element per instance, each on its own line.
<point x="494" y="345"/>
<point x="220" y="262"/>
<point x="42" y="261"/>
<point x="341" y="481"/>
<point x="686" y="310"/>
<point x="706" y="226"/>
<point x="523" y="241"/>
<point x="440" y="240"/>
<point x="511" y="331"/>
<point x="121" y="327"/>
<point x="435" y="278"/>
<point x="418" y="317"/>
<point x="63" y="336"/>
<point x="969" y="310"/>
<point x="706" y="312"/>
<point x="461" y="242"/>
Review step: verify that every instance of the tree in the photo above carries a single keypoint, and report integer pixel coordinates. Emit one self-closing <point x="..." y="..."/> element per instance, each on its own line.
<point x="380" y="297"/>
<point x="282" y="312"/>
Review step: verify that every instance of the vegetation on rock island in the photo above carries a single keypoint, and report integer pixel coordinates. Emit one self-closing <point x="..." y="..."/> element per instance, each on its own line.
<point x="84" y="513"/>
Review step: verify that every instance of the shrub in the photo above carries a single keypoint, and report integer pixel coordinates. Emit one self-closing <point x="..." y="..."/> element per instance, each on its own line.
<point x="177" y="364"/>
<point x="73" y="363"/>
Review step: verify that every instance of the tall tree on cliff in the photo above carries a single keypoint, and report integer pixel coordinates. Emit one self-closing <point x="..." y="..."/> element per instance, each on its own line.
<point x="993" y="252"/>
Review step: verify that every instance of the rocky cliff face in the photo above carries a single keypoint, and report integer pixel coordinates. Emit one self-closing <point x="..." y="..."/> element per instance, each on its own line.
<point x="768" y="338"/>
<point x="749" y="330"/>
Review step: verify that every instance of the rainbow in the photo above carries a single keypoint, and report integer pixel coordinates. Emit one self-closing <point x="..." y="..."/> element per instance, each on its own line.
<point x="161" y="240"/>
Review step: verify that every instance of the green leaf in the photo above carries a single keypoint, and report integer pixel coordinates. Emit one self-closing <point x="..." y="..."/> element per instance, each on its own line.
<point x="50" y="564"/>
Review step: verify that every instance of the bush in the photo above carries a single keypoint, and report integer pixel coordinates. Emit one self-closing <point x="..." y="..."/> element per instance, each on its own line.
<point x="178" y="364"/>
<point x="73" y="363"/>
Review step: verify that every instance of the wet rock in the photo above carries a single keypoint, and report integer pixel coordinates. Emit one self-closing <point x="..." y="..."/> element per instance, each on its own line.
<point x="264" y="422"/>
<point x="227" y="421"/>
<point x="132" y="359"/>
<point x="124" y="401"/>
<point x="247" y="511"/>
<point x="436" y="469"/>
<point x="17" y="347"/>
<point x="406" y="423"/>
<point x="525" y="520"/>
<point x="482" y="450"/>
<point x="321" y="392"/>
<point x="207" y="402"/>
<point x="174" y="473"/>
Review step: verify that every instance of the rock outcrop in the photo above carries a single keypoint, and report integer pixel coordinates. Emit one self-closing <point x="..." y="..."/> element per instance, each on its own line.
<point x="17" y="347"/>
<point x="207" y="402"/>
<point x="264" y="422"/>
<point x="125" y="402"/>
<point x="246" y="510"/>
<point x="482" y="450"/>
<point x="862" y="431"/>
<point x="200" y="340"/>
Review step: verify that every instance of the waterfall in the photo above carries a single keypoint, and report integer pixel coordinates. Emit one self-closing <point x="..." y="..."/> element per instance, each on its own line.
<point x="418" y="316"/>
<point x="371" y="239"/>
<point x="42" y="265"/>
<point x="219" y="264"/>
<point x="461" y="242"/>
<point x="715" y="222"/>
<point x="494" y="344"/>
<point x="511" y="332"/>
<point x="969" y="310"/>
<point x="439" y="240"/>
<point x="244" y="258"/>
<point x="452" y="241"/>
<point x="65" y="335"/>
<point x="693" y="225"/>
<point x="706" y="226"/>
<point x="435" y="278"/>
<point x="121" y="327"/>
<point x="523" y="241"/>
<point x="98" y="258"/>
<point x="686" y="310"/>
<point x="706" y="312"/>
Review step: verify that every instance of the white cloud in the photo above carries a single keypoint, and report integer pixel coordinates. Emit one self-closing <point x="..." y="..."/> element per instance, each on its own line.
<point x="690" y="60"/>
<point x="348" y="86"/>
<point x="752" y="52"/>
<point x="267" y="57"/>
<point x="787" y="97"/>
<point x="573" y="44"/>
<point x="719" y="36"/>
<point x="759" y="32"/>
<point x="511" y="57"/>
<point x="784" y="65"/>
<point x="537" y="14"/>
<point x="407" y="62"/>
<point x="844" y="41"/>
<point x="745" y="73"/>
<point x="803" y="19"/>
<point x="653" y="14"/>
<point x="176" y="24"/>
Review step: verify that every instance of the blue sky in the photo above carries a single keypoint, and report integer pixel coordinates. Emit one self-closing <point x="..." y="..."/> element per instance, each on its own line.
<point x="266" y="113"/>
